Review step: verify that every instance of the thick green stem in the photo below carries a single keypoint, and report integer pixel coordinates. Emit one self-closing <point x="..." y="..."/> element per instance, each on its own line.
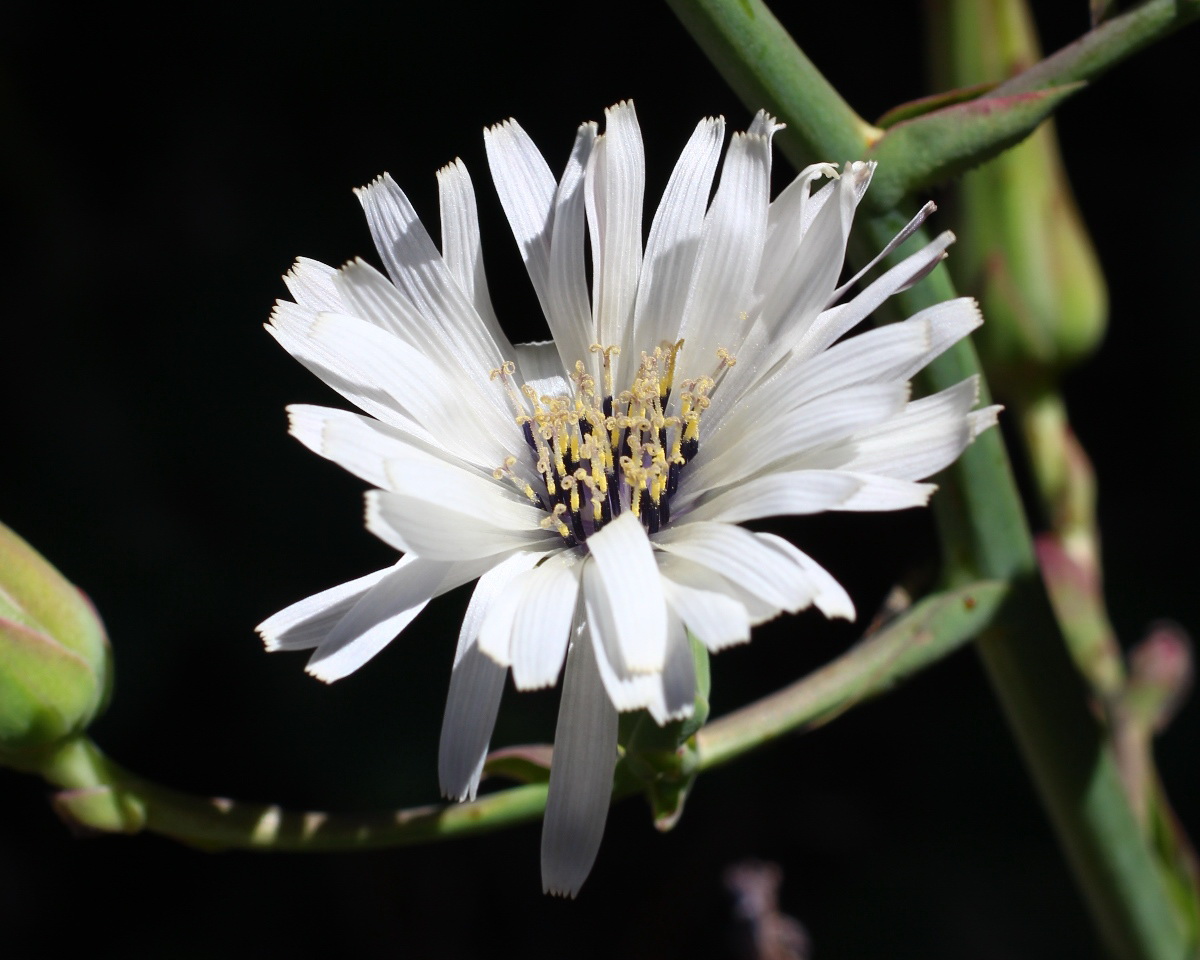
<point x="985" y="534"/>
<point x="758" y="58"/>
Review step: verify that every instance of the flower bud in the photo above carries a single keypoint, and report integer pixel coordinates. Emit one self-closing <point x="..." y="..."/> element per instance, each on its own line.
<point x="1161" y="669"/>
<point x="55" y="661"/>
<point x="1023" y="250"/>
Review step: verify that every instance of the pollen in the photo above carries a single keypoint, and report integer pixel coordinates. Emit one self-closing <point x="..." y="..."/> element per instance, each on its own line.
<point x="596" y="452"/>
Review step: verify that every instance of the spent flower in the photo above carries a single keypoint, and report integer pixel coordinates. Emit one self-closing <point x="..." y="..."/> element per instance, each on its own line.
<point x="594" y="483"/>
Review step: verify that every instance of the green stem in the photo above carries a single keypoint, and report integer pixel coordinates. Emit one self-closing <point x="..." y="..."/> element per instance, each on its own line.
<point x="102" y="795"/>
<point x="985" y="534"/>
<point x="1104" y="47"/>
<point x="931" y="630"/>
<point x="758" y="58"/>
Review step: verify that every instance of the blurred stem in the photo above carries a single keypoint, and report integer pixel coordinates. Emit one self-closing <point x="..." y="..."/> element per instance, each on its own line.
<point x="1063" y="474"/>
<point x="984" y="535"/>
<point x="1069" y="757"/>
<point x="1027" y="255"/>
<point x="1070" y="555"/>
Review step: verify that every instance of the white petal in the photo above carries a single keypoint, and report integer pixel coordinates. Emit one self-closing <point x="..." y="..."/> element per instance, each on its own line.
<point x="374" y="297"/>
<point x="678" y="677"/>
<point x="581" y="774"/>
<point x="675" y="237"/>
<point x="741" y="557"/>
<point x="442" y="482"/>
<point x="717" y="311"/>
<point x="396" y="383"/>
<point x="876" y="356"/>
<point x="627" y="690"/>
<point x="615" y="184"/>
<point x="290" y="325"/>
<point x="828" y="595"/>
<point x="496" y="628"/>
<point x="906" y="231"/>
<point x="729" y="457"/>
<point x="476" y="684"/>
<point x="417" y="268"/>
<point x="542" y="625"/>
<point x="461" y="248"/>
<point x="786" y="222"/>
<point x="949" y="322"/>
<point x="311" y="283"/>
<point x="307" y="622"/>
<point x="805" y="286"/>
<point x="836" y="321"/>
<point x="493" y="586"/>
<point x="701" y="579"/>
<point x="358" y="443"/>
<point x="800" y="492"/>
<point x="567" y="306"/>
<point x="891" y="353"/>
<point x="717" y="619"/>
<point x="927" y="437"/>
<point x="526" y="188"/>
<point x="415" y="521"/>
<point x="377" y="618"/>
<point x="776" y="495"/>
<point x="627" y="584"/>
<point x="538" y="361"/>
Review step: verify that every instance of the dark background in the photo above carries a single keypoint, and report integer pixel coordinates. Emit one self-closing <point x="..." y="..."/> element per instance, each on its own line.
<point x="159" y="174"/>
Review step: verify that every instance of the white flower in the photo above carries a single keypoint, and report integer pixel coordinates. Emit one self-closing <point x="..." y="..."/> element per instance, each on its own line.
<point x="594" y="483"/>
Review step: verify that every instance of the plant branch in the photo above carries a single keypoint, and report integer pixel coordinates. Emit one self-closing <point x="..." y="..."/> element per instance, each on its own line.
<point x="919" y="638"/>
<point x="101" y="795"/>
<point x="984" y="534"/>
<point x="1101" y="49"/>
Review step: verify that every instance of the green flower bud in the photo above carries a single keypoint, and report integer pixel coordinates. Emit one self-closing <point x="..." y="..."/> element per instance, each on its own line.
<point x="1024" y="251"/>
<point x="55" y="661"/>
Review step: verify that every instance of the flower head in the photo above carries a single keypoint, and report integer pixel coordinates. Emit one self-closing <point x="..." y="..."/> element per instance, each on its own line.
<point x="593" y="483"/>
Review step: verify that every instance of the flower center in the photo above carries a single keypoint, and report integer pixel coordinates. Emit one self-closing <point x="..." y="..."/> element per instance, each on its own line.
<point x="598" y="452"/>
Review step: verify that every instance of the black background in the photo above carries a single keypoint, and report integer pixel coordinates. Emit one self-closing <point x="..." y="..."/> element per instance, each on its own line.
<point x="160" y="171"/>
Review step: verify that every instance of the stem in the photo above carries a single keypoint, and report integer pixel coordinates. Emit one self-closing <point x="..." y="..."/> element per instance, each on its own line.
<point x="1098" y="50"/>
<point x="760" y="61"/>
<point x="934" y="628"/>
<point x="103" y="795"/>
<point x="100" y="794"/>
<point x="984" y="534"/>
<point x="1070" y="554"/>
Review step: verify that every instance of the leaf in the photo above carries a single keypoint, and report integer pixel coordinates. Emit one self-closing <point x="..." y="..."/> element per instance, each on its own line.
<point x="936" y="101"/>
<point x="529" y="763"/>
<point x="934" y="147"/>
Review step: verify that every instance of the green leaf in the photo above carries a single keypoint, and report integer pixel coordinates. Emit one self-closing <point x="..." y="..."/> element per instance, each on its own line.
<point x="918" y="153"/>
<point x="936" y="101"/>
<point x="1099" y="50"/>
<point x="529" y="763"/>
